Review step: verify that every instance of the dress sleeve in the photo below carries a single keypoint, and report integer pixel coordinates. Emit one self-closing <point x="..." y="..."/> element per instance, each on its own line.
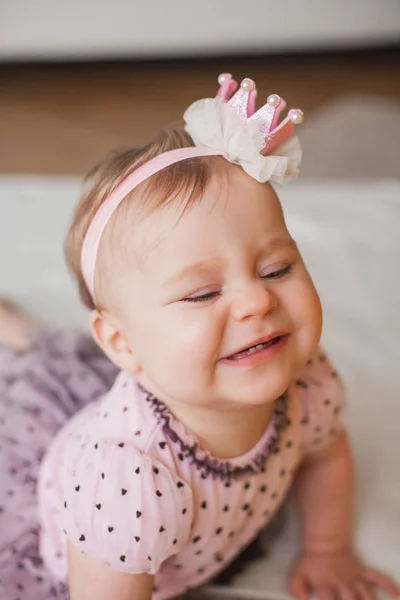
<point x="322" y="400"/>
<point x="124" y="508"/>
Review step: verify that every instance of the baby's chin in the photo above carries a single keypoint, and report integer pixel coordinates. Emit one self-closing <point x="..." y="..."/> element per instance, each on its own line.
<point x="263" y="384"/>
<point x="258" y="393"/>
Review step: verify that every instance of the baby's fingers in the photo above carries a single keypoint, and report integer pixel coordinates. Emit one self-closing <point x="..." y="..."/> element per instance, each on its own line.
<point x="299" y="588"/>
<point x="325" y="594"/>
<point x="364" y="591"/>
<point x="346" y="593"/>
<point x="382" y="581"/>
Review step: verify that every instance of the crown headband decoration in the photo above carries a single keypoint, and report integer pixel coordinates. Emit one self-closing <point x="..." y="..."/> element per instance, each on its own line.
<point x="254" y="140"/>
<point x="223" y="126"/>
<point x="243" y="103"/>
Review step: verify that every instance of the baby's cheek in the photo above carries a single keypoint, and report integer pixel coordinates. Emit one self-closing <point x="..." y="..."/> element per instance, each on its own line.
<point x="179" y="340"/>
<point x="184" y="364"/>
<point x="198" y="342"/>
<point x="304" y="309"/>
<point x="310" y="319"/>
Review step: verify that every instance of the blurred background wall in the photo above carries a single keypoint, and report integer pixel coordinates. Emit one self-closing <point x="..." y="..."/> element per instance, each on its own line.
<point x="80" y="77"/>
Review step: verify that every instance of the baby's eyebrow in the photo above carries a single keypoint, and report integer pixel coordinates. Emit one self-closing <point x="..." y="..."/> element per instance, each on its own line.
<point x="204" y="266"/>
<point x="201" y="266"/>
<point x="279" y="242"/>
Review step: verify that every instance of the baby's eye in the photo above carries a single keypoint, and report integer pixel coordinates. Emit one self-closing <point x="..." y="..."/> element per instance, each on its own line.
<point x="280" y="273"/>
<point x="202" y="297"/>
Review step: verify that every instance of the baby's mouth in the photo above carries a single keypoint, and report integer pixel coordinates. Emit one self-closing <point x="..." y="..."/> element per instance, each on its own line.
<point x="254" y="349"/>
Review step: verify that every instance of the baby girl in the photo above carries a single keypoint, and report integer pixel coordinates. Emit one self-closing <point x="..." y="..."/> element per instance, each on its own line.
<point x="224" y="399"/>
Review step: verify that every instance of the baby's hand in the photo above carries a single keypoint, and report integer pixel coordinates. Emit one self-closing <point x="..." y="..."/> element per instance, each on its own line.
<point x="339" y="576"/>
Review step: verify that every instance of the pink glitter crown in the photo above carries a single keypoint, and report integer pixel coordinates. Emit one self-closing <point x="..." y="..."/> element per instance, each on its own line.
<point x="243" y="104"/>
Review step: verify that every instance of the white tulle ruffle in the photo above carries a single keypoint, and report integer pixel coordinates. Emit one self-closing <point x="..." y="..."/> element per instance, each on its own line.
<point x="212" y="123"/>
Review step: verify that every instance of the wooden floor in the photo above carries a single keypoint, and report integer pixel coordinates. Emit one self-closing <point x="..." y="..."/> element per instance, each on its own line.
<point x="61" y="118"/>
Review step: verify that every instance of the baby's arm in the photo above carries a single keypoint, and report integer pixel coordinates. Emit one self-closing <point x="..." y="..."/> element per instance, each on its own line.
<point x="327" y="564"/>
<point x="124" y="515"/>
<point x="89" y="579"/>
<point x="324" y="493"/>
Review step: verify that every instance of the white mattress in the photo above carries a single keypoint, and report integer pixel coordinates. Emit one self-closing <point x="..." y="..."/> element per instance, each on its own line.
<point x="349" y="233"/>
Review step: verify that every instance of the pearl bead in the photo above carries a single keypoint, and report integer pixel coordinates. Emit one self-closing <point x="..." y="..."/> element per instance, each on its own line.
<point x="273" y="100"/>
<point x="223" y="78"/>
<point x="247" y="85"/>
<point x="297" y="117"/>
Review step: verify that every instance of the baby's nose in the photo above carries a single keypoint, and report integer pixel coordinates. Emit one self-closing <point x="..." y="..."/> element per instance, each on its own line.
<point x="253" y="301"/>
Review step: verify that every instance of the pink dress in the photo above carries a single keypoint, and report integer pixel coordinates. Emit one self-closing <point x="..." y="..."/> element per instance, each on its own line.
<point x="128" y="486"/>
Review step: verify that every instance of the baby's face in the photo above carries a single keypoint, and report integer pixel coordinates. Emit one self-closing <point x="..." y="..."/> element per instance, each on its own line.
<point x="224" y="277"/>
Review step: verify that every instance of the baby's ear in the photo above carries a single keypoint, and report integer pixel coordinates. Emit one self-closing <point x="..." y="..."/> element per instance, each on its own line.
<point x="108" y="335"/>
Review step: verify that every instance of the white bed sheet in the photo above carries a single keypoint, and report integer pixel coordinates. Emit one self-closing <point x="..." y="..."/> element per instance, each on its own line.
<point x="349" y="233"/>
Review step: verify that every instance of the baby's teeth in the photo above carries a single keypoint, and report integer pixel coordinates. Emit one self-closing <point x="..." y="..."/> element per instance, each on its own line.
<point x="255" y="349"/>
<point x="251" y="350"/>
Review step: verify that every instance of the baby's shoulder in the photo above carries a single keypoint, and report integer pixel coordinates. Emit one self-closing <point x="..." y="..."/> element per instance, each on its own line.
<point x="318" y="379"/>
<point x="318" y="397"/>
<point x="122" y="415"/>
<point x="125" y="414"/>
<point x="111" y="434"/>
<point x="122" y="503"/>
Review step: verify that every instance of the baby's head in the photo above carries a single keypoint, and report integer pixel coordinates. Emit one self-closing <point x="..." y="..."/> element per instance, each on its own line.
<point x="195" y="266"/>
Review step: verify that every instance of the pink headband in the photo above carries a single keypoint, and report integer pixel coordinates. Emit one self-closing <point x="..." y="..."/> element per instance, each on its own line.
<point x="218" y="127"/>
<point x="96" y="228"/>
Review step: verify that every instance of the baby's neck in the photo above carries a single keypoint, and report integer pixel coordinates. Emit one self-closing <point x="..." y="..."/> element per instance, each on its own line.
<point x="224" y="433"/>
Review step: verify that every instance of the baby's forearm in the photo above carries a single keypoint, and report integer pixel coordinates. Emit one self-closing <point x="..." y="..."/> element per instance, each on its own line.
<point x="324" y="494"/>
<point x="89" y="579"/>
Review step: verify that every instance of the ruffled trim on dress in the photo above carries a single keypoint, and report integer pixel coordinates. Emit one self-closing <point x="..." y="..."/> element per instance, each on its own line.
<point x="189" y="449"/>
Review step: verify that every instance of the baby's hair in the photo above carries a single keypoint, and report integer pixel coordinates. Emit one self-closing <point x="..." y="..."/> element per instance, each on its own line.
<point x="185" y="181"/>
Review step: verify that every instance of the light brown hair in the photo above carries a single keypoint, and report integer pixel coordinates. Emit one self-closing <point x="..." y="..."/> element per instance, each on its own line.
<point x="183" y="182"/>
